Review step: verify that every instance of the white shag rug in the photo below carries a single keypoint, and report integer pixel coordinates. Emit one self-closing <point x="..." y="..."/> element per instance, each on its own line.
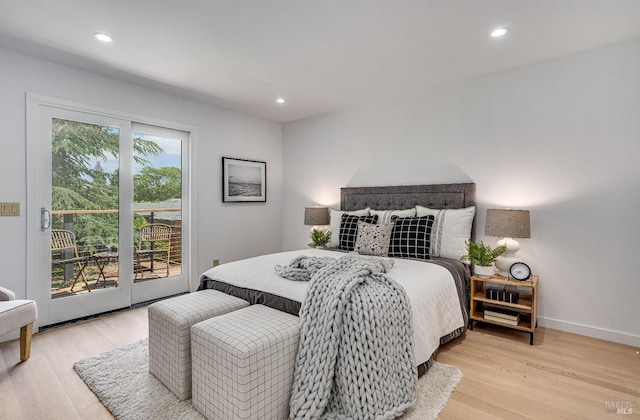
<point x="121" y="380"/>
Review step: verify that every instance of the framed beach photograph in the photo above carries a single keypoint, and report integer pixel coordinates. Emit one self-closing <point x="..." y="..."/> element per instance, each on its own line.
<point x="244" y="180"/>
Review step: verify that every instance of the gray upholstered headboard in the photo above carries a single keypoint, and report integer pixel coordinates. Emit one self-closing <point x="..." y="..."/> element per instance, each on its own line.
<point x="438" y="196"/>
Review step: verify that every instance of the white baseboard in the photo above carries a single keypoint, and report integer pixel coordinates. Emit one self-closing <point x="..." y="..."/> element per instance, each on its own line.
<point x="590" y="331"/>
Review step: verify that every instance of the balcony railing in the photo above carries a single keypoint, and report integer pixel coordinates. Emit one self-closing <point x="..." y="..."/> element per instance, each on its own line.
<point x="88" y="245"/>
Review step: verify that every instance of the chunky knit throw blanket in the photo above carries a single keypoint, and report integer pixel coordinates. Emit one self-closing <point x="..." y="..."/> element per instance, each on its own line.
<point x="355" y="358"/>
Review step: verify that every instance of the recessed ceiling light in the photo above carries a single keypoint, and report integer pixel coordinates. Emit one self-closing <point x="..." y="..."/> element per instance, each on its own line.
<point x="101" y="36"/>
<point x="497" y="33"/>
<point x="281" y="100"/>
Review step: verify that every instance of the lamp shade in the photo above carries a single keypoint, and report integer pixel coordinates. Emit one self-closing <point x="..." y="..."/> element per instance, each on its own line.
<point x="316" y="216"/>
<point x="508" y="223"/>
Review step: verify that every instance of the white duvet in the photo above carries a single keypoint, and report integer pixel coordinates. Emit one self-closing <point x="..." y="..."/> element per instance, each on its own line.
<point x="431" y="290"/>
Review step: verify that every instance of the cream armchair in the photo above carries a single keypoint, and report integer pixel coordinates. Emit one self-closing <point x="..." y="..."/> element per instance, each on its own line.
<point x="14" y="314"/>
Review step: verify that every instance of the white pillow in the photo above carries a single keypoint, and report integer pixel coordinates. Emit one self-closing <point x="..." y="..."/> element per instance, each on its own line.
<point x="336" y="219"/>
<point x="451" y="229"/>
<point x="384" y="216"/>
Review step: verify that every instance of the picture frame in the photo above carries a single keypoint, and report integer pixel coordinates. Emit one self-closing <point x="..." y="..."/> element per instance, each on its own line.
<point x="244" y="180"/>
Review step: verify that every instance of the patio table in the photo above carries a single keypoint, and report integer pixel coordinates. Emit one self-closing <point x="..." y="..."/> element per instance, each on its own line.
<point x="102" y="259"/>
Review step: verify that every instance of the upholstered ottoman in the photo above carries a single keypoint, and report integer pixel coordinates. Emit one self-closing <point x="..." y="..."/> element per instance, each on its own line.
<point x="243" y="364"/>
<point x="170" y="324"/>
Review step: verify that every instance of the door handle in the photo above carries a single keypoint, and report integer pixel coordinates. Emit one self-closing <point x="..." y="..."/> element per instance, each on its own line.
<point x="45" y="219"/>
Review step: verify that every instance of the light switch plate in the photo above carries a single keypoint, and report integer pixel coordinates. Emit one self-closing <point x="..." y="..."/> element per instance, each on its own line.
<point x="9" y="209"/>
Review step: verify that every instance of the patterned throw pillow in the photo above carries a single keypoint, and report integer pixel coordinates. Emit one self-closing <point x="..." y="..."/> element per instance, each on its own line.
<point x="335" y="217"/>
<point x="373" y="239"/>
<point x="410" y="237"/>
<point x="349" y="230"/>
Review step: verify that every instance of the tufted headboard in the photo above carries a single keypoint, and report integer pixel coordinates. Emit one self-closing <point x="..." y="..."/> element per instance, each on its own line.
<point x="438" y="196"/>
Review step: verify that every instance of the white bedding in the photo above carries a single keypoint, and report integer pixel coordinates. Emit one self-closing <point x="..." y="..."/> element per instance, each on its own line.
<point x="431" y="290"/>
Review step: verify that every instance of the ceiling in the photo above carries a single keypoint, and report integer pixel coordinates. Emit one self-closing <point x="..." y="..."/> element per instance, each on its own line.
<point x="319" y="55"/>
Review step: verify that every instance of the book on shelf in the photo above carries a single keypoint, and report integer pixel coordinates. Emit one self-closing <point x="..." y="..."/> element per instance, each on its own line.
<point x="503" y="320"/>
<point x="502" y="295"/>
<point x="502" y="313"/>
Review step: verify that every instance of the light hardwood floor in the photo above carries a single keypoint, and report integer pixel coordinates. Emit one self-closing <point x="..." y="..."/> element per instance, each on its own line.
<point x="563" y="376"/>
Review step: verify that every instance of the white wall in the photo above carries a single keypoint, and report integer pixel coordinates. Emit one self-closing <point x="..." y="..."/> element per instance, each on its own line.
<point x="561" y="138"/>
<point x="226" y="231"/>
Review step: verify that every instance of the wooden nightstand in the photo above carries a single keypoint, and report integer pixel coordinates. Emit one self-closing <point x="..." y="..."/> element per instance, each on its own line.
<point x="527" y="306"/>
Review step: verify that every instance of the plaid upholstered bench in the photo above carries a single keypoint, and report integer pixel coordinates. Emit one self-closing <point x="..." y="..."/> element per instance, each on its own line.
<point x="170" y="324"/>
<point x="243" y="364"/>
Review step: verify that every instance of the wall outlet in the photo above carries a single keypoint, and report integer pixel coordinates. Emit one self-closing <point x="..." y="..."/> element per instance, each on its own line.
<point x="9" y="209"/>
<point x="216" y="262"/>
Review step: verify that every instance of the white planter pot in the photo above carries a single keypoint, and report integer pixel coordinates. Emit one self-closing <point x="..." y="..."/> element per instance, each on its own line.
<point x="484" y="271"/>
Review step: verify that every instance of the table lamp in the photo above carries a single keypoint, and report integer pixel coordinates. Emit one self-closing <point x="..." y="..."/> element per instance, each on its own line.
<point x="508" y="224"/>
<point x="316" y="216"/>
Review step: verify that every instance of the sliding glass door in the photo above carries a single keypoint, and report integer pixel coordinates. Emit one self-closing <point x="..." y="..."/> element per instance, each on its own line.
<point x="160" y="229"/>
<point x="112" y="226"/>
<point x="82" y="190"/>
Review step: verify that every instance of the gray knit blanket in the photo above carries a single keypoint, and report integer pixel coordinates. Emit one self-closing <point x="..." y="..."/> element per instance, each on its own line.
<point x="355" y="359"/>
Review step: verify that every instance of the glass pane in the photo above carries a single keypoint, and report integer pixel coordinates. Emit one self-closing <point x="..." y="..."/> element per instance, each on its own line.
<point x="157" y="188"/>
<point x="84" y="228"/>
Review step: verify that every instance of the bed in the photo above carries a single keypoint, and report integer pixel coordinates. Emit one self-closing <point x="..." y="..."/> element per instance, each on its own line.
<point x="438" y="288"/>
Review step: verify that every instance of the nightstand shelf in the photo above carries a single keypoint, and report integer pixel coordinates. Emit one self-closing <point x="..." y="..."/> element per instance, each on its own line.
<point x="527" y="306"/>
<point x="524" y="303"/>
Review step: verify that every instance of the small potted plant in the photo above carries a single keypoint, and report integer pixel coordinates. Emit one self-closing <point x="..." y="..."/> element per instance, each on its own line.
<point x="320" y="236"/>
<point x="482" y="256"/>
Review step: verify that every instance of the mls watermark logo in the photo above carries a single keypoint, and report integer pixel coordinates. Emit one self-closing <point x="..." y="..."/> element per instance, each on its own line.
<point x="618" y="407"/>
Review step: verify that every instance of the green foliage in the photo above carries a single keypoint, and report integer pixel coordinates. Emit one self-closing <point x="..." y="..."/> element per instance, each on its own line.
<point x="68" y="199"/>
<point x="74" y="146"/>
<point x="481" y="254"/>
<point x="320" y="236"/>
<point x="157" y="184"/>
<point x="139" y="222"/>
<point x="80" y="182"/>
